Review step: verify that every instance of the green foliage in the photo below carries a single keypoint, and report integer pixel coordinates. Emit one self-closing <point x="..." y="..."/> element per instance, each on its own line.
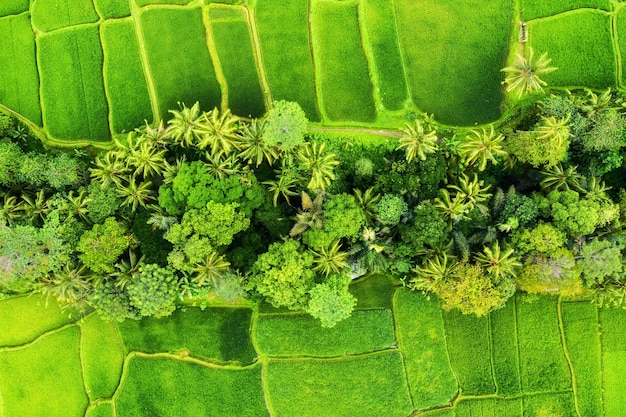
<point x="112" y="302"/>
<point x="283" y="275"/>
<point x="520" y="207"/>
<point x="364" y="167"/>
<point x="607" y="132"/>
<point x="102" y="245"/>
<point x="63" y="171"/>
<point x="415" y="181"/>
<point x="103" y="202"/>
<point x="543" y="238"/>
<point x="285" y="124"/>
<point x="526" y="146"/>
<point x="330" y="305"/>
<point x="390" y="209"/>
<point x="343" y="219"/>
<point x="32" y="169"/>
<point x="10" y="156"/>
<point x="429" y="230"/>
<point x="599" y="260"/>
<point x="153" y="291"/>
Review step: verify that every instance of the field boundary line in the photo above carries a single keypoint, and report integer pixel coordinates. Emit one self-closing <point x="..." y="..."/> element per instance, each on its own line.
<point x="15" y="15"/>
<point x="231" y="365"/>
<point x="349" y="129"/>
<point x="105" y="82"/>
<point x="519" y="352"/>
<point x="402" y="55"/>
<point x="602" y="358"/>
<point x="119" y="388"/>
<point x="69" y="28"/>
<point x="616" y="46"/>
<point x="400" y="345"/>
<point x="264" y="387"/>
<point x="456" y="377"/>
<point x="557" y="15"/>
<point x="90" y="398"/>
<point x="135" y="14"/>
<point x="319" y="97"/>
<point x="39" y="336"/>
<point x="215" y="58"/>
<point x="559" y="310"/>
<point x="258" y="55"/>
<point x="368" y="52"/>
<point x="337" y="358"/>
<point x="492" y="354"/>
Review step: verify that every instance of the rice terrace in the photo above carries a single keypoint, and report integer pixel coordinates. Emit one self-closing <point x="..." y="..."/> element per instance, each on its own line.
<point x="312" y="208"/>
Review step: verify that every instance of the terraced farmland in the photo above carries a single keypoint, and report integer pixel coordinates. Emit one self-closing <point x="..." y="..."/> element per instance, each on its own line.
<point x="399" y="355"/>
<point x="101" y="67"/>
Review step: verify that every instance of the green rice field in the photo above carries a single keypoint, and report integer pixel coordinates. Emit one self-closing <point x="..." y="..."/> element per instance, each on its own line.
<point x="120" y="63"/>
<point x="399" y="355"/>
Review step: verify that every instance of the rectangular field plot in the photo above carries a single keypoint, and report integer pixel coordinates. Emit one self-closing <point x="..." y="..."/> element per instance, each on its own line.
<point x="168" y="387"/>
<point x="504" y="350"/>
<point x="111" y="9"/>
<point x="553" y="404"/>
<point x="125" y="82"/>
<point x="9" y="7"/>
<point x="26" y="317"/>
<point x="73" y="100"/>
<point x="342" y="71"/>
<point x="364" y="386"/>
<point x="453" y="51"/>
<point x="221" y="334"/>
<point x="283" y="29"/>
<point x="422" y="340"/>
<point x="288" y="335"/>
<point x="491" y="407"/>
<point x="101" y="410"/>
<point x="19" y="89"/>
<point x="179" y="60"/>
<point x="580" y="46"/>
<point x="383" y="40"/>
<point x="102" y="356"/>
<point x="620" y="30"/>
<point x="582" y="336"/>
<point x="542" y="360"/>
<point x="532" y="9"/>
<point x="613" y="322"/>
<point x="43" y="379"/>
<point x="142" y="3"/>
<point x="55" y="14"/>
<point x="236" y="56"/>
<point x="373" y="291"/>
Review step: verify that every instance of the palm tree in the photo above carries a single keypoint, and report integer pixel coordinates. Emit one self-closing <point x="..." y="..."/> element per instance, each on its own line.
<point x="321" y="166"/>
<point x="554" y="130"/>
<point x="126" y="269"/>
<point x="109" y="169"/>
<point x="77" y="206"/>
<point x="435" y="271"/>
<point x="482" y="146"/>
<point x="557" y="178"/>
<point x="70" y="285"/>
<point x="455" y="208"/>
<point x="330" y="260"/>
<point x="159" y="218"/>
<point x="134" y="194"/>
<point x="311" y="215"/>
<point x="498" y="263"/>
<point x="367" y="203"/>
<point x="147" y="159"/>
<point x="11" y="210"/>
<point x="523" y="77"/>
<point x="287" y="181"/>
<point x="221" y="166"/>
<point x="471" y="191"/>
<point x="212" y="267"/>
<point x="417" y="142"/>
<point x="171" y="170"/>
<point x="596" y="190"/>
<point x="253" y="148"/>
<point x="185" y="127"/>
<point x="35" y="207"/>
<point x="156" y="136"/>
<point x="218" y="131"/>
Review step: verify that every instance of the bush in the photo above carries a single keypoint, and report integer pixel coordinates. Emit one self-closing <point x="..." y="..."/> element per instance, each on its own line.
<point x="390" y="208"/>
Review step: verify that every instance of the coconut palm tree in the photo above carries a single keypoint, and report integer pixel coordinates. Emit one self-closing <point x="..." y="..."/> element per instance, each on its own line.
<point x="147" y="159"/>
<point x="498" y="263"/>
<point x="218" y="131"/>
<point x="554" y="130"/>
<point x="155" y="135"/>
<point x="109" y="169"/>
<point x="159" y="219"/>
<point x="70" y="285"/>
<point x="471" y="191"/>
<point x="253" y="148"/>
<point x="454" y="208"/>
<point x="285" y="183"/>
<point x="210" y="269"/>
<point x="367" y="203"/>
<point x="221" y="166"/>
<point x="321" y="166"/>
<point x="35" y="207"/>
<point x="330" y="260"/>
<point x="416" y="142"/>
<point x="185" y="127"/>
<point x="171" y="170"/>
<point x="77" y="206"/>
<point x="311" y="215"/>
<point x="524" y="76"/>
<point x="10" y="210"/>
<point x="434" y="272"/>
<point x="558" y="178"/>
<point x="482" y="146"/>
<point x="134" y="194"/>
<point x="126" y="269"/>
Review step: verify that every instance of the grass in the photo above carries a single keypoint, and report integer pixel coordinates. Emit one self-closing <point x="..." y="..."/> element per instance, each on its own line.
<point x="553" y="404"/>
<point x="236" y="56"/>
<point x="220" y="334"/>
<point x="101" y="410"/>
<point x="19" y="88"/>
<point x="284" y="36"/>
<point x="179" y="59"/>
<point x="383" y="39"/>
<point x="580" y="45"/>
<point x="28" y="317"/>
<point x="613" y="322"/>
<point x="124" y="77"/>
<point x="164" y="387"/>
<point x="533" y="9"/>
<point x="102" y="356"/>
<point x="44" y="379"/>
<point x="73" y="99"/>
<point x="542" y="361"/>
<point x="344" y="83"/>
<point x="453" y="52"/>
<point x="289" y="335"/>
<point x="470" y="353"/>
<point x="142" y="3"/>
<point x="55" y="14"/>
<point x="332" y="388"/>
<point x="421" y="338"/>
<point x="112" y="9"/>
<point x="504" y="350"/>
<point x="620" y="30"/>
<point x="582" y="336"/>
<point x="8" y="7"/>
<point x="490" y="407"/>
<point x="373" y="291"/>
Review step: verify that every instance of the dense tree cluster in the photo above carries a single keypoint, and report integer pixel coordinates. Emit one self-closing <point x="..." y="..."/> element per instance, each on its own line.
<point x="209" y="203"/>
